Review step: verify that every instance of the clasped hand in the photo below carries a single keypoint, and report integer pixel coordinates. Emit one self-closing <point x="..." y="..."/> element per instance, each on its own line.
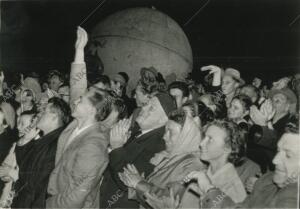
<point x="131" y="177"/>
<point x="120" y="133"/>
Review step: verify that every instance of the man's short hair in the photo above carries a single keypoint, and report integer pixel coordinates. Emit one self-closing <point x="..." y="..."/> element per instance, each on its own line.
<point x="102" y="101"/>
<point x="293" y="125"/>
<point x="103" y="79"/>
<point x="56" y="73"/>
<point x="182" y="86"/>
<point x="61" y="108"/>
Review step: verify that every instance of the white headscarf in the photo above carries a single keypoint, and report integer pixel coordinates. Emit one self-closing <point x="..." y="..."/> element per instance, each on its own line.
<point x="188" y="142"/>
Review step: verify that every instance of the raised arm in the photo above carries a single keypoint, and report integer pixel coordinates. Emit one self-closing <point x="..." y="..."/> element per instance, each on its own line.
<point x="78" y="78"/>
<point x="217" y="74"/>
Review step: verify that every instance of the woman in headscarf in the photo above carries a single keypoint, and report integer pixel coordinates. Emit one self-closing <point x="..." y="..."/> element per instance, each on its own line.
<point x="181" y="156"/>
<point x="217" y="187"/>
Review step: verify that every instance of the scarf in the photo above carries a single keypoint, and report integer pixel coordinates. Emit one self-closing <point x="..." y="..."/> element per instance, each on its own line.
<point x="187" y="142"/>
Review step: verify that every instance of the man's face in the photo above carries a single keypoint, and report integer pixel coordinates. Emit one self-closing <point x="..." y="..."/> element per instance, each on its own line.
<point x="116" y="87"/>
<point x="177" y="94"/>
<point x="24" y="122"/>
<point x="152" y="115"/>
<point x="83" y="106"/>
<point x="250" y="92"/>
<point x="171" y="135"/>
<point x="64" y="93"/>
<point x="46" y="117"/>
<point x="256" y="82"/>
<point x="280" y="103"/>
<point x="101" y="85"/>
<point x="228" y="85"/>
<point x="212" y="146"/>
<point x="54" y="83"/>
<point x="207" y="101"/>
<point x="140" y="97"/>
<point x="287" y="159"/>
<point x="236" y="110"/>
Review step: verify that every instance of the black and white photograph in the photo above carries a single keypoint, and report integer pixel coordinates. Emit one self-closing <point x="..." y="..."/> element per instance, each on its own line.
<point x="149" y="104"/>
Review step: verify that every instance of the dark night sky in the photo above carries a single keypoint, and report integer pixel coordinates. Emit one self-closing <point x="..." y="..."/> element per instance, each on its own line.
<point x="256" y="36"/>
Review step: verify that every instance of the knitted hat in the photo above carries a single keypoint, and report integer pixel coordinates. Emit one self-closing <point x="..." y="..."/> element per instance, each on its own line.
<point x="167" y="102"/>
<point x="9" y="114"/>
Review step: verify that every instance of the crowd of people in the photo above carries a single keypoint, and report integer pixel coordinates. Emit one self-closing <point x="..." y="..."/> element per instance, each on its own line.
<point x="75" y="141"/>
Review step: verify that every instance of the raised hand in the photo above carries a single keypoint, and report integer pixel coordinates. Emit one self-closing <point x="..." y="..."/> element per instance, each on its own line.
<point x="267" y="109"/>
<point x="216" y="71"/>
<point x="82" y="38"/>
<point x="212" y="69"/>
<point x="250" y="184"/>
<point x="120" y="133"/>
<point x="130" y="177"/>
<point x="281" y="83"/>
<point x="258" y="117"/>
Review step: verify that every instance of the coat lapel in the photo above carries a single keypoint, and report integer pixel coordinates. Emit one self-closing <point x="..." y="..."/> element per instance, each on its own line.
<point x="62" y="140"/>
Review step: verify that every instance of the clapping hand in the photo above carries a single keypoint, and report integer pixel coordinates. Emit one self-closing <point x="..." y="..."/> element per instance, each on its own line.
<point x="120" y="133"/>
<point x="131" y="177"/>
<point x="250" y="182"/>
<point x="265" y="114"/>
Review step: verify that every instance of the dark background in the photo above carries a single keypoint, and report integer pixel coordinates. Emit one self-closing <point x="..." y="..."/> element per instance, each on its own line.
<point x="258" y="37"/>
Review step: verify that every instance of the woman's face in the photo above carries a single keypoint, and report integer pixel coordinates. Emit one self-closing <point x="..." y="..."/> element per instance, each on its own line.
<point x="171" y="136"/>
<point x="236" y="110"/>
<point x="228" y="85"/>
<point x="189" y="111"/>
<point x="140" y="97"/>
<point x="27" y="97"/>
<point x="212" y="146"/>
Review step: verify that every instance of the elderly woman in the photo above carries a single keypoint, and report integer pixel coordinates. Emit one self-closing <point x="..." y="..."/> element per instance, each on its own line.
<point x="181" y="156"/>
<point x="220" y="185"/>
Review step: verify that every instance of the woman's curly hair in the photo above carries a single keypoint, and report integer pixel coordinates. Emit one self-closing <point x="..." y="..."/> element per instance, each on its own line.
<point x="235" y="140"/>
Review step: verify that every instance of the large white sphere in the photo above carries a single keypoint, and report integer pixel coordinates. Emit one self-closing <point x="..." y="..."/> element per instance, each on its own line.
<point x="142" y="37"/>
